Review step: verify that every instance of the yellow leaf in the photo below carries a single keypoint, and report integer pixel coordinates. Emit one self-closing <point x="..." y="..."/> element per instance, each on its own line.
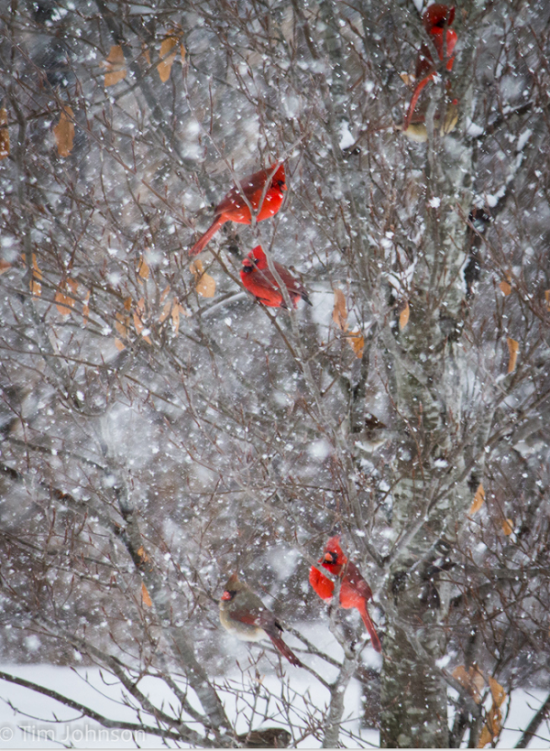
<point x="340" y="311"/>
<point x="472" y="680"/>
<point x="507" y="526"/>
<point x="86" y="308"/>
<point x="513" y="348"/>
<point x="204" y="283"/>
<point x="143" y="270"/>
<point x="167" y="59"/>
<point x="479" y="500"/>
<point x="4" y="266"/>
<point x="499" y="694"/>
<point x="357" y="342"/>
<point x="146" y="599"/>
<point x="64" y="132"/>
<point x="404" y="317"/>
<point x="4" y="134"/>
<point x="115" y="66"/>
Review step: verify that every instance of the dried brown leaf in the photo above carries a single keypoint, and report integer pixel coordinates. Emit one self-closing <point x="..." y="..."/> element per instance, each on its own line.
<point x="491" y="729"/>
<point x="64" y="132"/>
<point x="138" y="316"/>
<point x="472" y="680"/>
<point x="357" y="342"/>
<point x="4" y="266"/>
<point x="36" y="287"/>
<point x="479" y="500"/>
<point x="404" y="317"/>
<point x="340" y="311"/>
<point x="513" y="348"/>
<point x="143" y="554"/>
<point x="505" y="288"/>
<point x="165" y="311"/>
<point x="119" y="345"/>
<point x="143" y="269"/>
<point x="176" y="318"/>
<point x="86" y="308"/>
<point x="507" y="526"/>
<point x="115" y="66"/>
<point x="547" y="298"/>
<point x="165" y="293"/>
<point x="167" y="59"/>
<point x="65" y="296"/>
<point x="4" y="134"/>
<point x="145" y="597"/>
<point x="499" y="694"/>
<point x="204" y="283"/>
<point x="121" y="324"/>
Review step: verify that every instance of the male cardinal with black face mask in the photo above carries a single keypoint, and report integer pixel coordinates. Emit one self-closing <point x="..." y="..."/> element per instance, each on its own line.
<point x="258" y="279"/>
<point x="436" y="19"/>
<point x="354" y="590"/>
<point x="244" y="615"/>
<point x="234" y="207"/>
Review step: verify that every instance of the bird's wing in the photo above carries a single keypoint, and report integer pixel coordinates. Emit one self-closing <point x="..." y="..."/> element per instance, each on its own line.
<point x="248" y="186"/>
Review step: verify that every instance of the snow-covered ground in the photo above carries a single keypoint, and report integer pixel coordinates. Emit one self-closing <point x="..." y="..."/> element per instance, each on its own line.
<point x="27" y="720"/>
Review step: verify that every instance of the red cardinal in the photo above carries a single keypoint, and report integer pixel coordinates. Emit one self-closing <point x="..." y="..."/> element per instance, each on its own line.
<point x="234" y="208"/>
<point x="258" y="279"/>
<point x="354" y="590"/>
<point x="436" y="19"/>
<point x="244" y="615"/>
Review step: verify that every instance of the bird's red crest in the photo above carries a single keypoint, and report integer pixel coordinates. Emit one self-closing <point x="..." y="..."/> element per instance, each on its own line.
<point x="279" y="177"/>
<point x="438" y="15"/>
<point x="333" y="545"/>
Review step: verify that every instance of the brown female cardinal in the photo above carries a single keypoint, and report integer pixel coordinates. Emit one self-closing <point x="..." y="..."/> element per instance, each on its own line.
<point x="244" y="615"/>
<point x="258" y="279"/>
<point x="234" y="207"/>
<point x="354" y="590"/>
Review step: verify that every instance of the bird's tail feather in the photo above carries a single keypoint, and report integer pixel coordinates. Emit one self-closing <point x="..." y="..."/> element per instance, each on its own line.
<point x="370" y="628"/>
<point x="200" y="245"/>
<point x="285" y="650"/>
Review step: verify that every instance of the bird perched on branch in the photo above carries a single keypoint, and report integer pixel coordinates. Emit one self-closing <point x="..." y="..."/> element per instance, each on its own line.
<point x="258" y="279"/>
<point x="262" y="192"/>
<point x="244" y="615"/>
<point x="354" y="590"/>
<point x="436" y="20"/>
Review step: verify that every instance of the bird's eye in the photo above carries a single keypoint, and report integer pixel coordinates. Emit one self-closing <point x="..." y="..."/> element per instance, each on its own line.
<point x="281" y="183"/>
